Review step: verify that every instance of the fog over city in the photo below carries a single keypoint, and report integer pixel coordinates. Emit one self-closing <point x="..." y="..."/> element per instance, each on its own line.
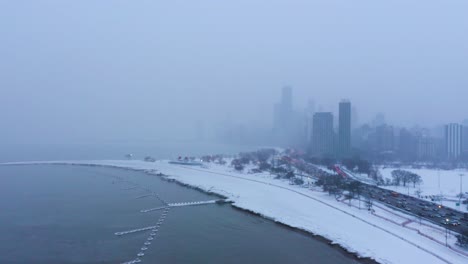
<point x="234" y="131"/>
<point x="103" y="71"/>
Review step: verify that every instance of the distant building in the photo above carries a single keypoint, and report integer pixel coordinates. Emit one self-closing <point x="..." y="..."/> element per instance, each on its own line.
<point x="286" y="99"/>
<point x="283" y="111"/>
<point x="309" y="116"/>
<point x="323" y="134"/>
<point x="362" y="137"/>
<point x="354" y="118"/>
<point x="407" y="145"/>
<point x="379" y="120"/>
<point x="283" y="118"/>
<point x="344" y="129"/>
<point x="453" y="140"/>
<point x="426" y="148"/>
<point x="385" y="138"/>
<point x="465" y="140"/>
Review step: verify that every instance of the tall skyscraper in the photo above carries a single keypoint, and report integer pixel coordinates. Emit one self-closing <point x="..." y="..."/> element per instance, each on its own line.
<point x="283" y="111"/>
<point x="354" y="118"/>
<point x="465" y="138"/>
<point x="309" y="116"/>
<point x="322" y="134"/>
<point x="284" y="119"/>
<point x="344" y="129"/>
<point x="286" y="99"/>
<point x="453" y="140"/>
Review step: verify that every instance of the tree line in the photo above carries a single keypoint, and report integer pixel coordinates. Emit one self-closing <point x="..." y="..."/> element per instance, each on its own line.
<point x="405" y="177"/>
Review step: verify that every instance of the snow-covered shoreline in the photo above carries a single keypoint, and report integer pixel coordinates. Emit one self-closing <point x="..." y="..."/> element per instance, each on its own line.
<point x="315" y="212"/>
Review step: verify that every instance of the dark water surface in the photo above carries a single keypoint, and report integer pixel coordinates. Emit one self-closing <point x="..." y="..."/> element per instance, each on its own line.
<point x="69" y="214"/>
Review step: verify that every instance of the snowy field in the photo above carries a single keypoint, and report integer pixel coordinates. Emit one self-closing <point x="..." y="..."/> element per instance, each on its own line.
<point x="449" y="184"/>
<point x="382" y="236"/>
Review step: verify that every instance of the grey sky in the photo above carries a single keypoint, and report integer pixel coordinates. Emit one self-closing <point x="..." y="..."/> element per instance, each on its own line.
<point x="100" y="70"/>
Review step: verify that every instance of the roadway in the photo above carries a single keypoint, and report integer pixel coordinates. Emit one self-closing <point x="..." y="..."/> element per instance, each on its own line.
<point x="429" y="211"/>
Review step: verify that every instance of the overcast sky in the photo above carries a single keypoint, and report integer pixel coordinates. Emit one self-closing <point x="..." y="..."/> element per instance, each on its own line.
<point x="73" y="71"/>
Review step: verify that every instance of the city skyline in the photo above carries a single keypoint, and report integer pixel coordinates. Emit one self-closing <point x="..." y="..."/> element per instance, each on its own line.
<point x="188" y="63"/>
<point x="322" y="135"/>
<point x="266" y="131"/>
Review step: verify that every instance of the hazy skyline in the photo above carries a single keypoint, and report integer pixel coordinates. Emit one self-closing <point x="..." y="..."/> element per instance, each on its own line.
<point x="73" y="71"/>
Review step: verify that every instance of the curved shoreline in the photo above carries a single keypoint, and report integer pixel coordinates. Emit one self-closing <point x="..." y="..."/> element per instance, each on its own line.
<point x="335" y="246"/>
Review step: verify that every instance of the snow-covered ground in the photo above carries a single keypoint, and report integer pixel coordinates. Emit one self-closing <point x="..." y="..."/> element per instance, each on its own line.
<point x="359" y="176"/>
<point x="382" y="236"/>
<point x="325" y="169"/>
<point x="449" y="184"/>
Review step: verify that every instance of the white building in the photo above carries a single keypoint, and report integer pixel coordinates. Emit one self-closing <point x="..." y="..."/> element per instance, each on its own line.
<point x="453" y="140"/>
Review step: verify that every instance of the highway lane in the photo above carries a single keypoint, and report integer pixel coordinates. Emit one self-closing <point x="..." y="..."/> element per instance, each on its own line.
<point x="426" y="210"/>
<point x="429" y="211"/>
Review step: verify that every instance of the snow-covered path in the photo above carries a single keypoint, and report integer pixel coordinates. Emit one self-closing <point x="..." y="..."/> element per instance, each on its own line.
<point x="299" y="192"/>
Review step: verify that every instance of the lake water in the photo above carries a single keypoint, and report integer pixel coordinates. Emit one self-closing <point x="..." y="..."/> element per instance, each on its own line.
<point x="158" y="150"/>
<point x="69" y="214"/>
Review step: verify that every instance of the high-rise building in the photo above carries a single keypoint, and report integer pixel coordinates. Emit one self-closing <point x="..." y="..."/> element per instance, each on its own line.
<point x="283" y="111"/>
<point x="344" y="129"/>
<point x="385" y="138"/>
<point x="286" y="99"/>
<point x="453" y="140"/>
<point x="407" y="145"/>
<point x="426" y="148"/>
<point x="322" y="134"/>
<point x="309" y="116"/>
<point x="465" y="138"/>
<point x="284" y="120"/>
<point x="354" y="118"/>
